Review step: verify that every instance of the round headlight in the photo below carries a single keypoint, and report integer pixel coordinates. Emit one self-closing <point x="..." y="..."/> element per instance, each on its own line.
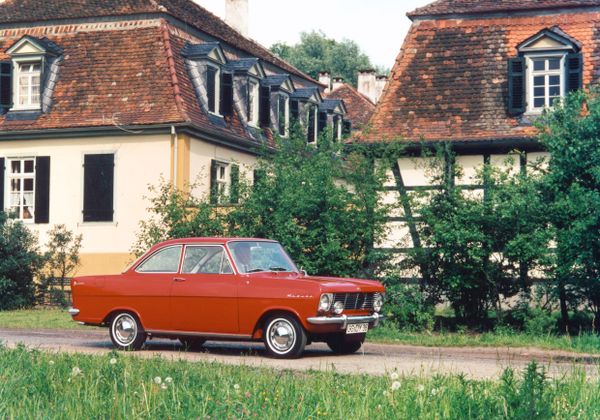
<point x="338" y="307"/>
<point x="377" y="302"/>
<point x="325" y="302"/>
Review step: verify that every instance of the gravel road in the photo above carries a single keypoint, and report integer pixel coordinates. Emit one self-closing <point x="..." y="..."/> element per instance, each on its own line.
<point x="374" y="359"/>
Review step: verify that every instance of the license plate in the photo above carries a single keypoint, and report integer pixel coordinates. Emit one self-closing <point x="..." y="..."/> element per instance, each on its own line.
<point x="357" y="328"/>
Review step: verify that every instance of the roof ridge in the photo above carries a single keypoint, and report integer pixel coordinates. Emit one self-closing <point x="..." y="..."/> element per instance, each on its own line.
<point x="353" y="89"/>
<point x="179" y="102"/>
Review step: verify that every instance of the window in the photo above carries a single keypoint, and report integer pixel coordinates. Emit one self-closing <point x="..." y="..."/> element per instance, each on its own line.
<point x="284" y="115"/>
<point x="98" y="188"/>
<point x="213" y="88"/>
<point x="312" y="124"/>
<point x="27" y="89"/>
<point x="337" y="127"/>
<point x="253" y="102"/>
<point x="206" y="260"/>
<point x="546" y="81"/>
<point x="224" y="183"/>
<point x="21" y="188"/>
<point x="222" y="180"/>
<point x="165" y="260"/>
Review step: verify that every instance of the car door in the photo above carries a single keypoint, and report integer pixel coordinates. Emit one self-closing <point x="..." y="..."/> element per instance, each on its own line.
<point x="204" y="296"/>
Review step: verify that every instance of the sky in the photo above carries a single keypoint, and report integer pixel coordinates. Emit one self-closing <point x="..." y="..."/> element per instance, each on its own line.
<point x="378" y="26"/>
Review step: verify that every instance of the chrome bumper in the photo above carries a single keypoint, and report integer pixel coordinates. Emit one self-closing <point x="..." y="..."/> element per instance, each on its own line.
<point x="73" y="311"/>
<point x="344" y="320"/>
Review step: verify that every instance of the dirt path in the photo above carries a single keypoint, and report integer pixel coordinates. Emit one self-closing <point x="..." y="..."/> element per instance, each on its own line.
<point x="375" y="359"/>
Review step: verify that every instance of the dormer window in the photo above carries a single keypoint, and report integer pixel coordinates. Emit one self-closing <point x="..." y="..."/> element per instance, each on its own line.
<point x="27" y="90"/>
<point x="304" y="108"/>
<point x="275" y="101"/>
<point x="548" y="67"/>
<point x="213" y="88"/>
<point x="253" y="102"/>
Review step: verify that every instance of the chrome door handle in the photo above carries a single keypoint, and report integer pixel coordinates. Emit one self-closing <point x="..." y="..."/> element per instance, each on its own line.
<point x="179" y="279"/>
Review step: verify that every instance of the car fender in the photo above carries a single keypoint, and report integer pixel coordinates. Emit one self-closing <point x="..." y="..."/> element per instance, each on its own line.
<point x="257" y="333"/>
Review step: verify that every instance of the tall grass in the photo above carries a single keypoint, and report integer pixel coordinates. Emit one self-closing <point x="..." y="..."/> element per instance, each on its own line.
<point x="41" y="385"/>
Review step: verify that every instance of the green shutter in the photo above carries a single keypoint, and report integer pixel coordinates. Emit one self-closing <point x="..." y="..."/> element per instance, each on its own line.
<point x="211" y="76"/>
<point x="265" y="107"/>
<point x="234" y="195"/>
<point x="516" y="86"/>
<point x="99" y="188"/>
<point x="2" y="208"/>
<point x="574" y="72"/>
<point x="226" y="94"/>
<point x="5" y="86"/>
<point x="42" y="189"/>
<point x="214" y="190"/>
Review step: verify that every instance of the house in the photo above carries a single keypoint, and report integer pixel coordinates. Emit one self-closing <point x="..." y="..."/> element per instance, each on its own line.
<point x="477" y="74"/>
<point x="99" y="100"/>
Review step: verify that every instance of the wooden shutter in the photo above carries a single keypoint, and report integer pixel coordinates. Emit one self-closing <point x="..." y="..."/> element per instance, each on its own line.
<point x="227" y="94"/>
<point x="2" y="170"/>
<point x="516" y="86"/>
<point x="5" y="86"/>
<point x="310" y="135"/>
<point x="211" y="76"/>
<point x="214" y="190"/>
<point x="42" y="189"/>
<point x="98" y="188"/>
<point x="234" y="195"/>
<point x="322" y="122"/>
<point x="281" y="116"/>
<point x="574" y="72"/>
<point x="265" y="107"/>
<point x="295" y="110"/>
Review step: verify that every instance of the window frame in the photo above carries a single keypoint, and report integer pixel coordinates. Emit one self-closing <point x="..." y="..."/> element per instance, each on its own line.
<point x="285" y="114"/>
<point x="530" y="74"/>
<point x="253" y="101"/>
<point x="17" y="63"/>
<point x="217" y="90"/>
<point x="21" y="176"/>
<point x="141" y="263"/>
<point x="224" y="182"/>
<point x="226" y="257"/>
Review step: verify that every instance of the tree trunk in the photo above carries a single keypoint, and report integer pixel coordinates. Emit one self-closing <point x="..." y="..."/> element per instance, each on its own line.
<point x="564" y="312"/>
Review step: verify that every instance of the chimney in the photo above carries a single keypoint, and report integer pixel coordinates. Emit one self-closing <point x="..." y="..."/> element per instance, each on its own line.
<point x="367" y="84"/>
<point x="380" y="86"/>
<point x="325" y="79"/>
<point x="236" y="15"/>
<point x="337" y="82"/>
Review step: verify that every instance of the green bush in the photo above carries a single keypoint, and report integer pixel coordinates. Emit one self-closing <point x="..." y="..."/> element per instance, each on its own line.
<point x="20" y="261"/>
<point x="407" y="308"/>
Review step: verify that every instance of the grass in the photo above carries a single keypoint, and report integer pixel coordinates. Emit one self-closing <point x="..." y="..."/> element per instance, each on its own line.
<point x="55" y="319"/>
<point x="35" y="385"/>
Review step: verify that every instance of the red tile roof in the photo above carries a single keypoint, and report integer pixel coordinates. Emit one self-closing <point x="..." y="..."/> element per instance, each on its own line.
<point x="449" y="7"/>
<point x="28" y="11"/>
<point x="360" y="109"/>
<point x="449" y="81"/>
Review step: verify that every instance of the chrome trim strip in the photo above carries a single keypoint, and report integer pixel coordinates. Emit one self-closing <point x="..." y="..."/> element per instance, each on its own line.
<point x="344" y="320"/>
<point x="200" y="334"/>
<point x="73" y="311"/>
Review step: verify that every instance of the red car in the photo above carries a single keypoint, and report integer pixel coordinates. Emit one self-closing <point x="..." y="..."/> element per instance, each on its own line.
<point x="202" y="289"/>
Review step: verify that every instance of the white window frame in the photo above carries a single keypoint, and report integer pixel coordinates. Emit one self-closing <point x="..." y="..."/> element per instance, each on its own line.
<point x="217" y="110"/>
<point x="21" y="177"/>
<point x="530" y="74"/>
<point x="223" y="181"/>
<point x="253" y="101"/>
<point x="17" y="63"/>
<point x="338" y="121"/>
<point x="286" y="114"/>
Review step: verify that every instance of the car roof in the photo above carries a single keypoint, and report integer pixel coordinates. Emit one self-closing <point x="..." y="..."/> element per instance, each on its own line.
<point x="209" y="240"/>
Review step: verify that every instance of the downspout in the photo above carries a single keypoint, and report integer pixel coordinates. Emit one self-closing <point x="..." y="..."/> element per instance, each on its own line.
<point x="175" y="155"/>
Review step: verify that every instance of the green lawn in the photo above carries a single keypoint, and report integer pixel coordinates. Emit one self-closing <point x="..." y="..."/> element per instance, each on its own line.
<point x="35" y="385"/>
<point x="56" y="319"/>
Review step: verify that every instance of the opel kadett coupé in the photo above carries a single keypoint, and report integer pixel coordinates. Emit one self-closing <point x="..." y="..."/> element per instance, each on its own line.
<point x="202" y="289"/>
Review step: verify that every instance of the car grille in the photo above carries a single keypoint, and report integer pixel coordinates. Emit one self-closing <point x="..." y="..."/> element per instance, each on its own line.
<point x="353" y="301"/>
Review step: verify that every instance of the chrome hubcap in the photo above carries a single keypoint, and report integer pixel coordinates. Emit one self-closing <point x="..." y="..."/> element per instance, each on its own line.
<point x="281" y="335"/>
<point x="125" y="329"/>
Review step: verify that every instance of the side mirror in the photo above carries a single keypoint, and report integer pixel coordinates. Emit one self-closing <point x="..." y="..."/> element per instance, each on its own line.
<point x="303" y="272"/>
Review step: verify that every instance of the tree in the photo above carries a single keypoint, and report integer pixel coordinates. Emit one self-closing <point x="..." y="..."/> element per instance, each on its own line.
<point x="571" y="134"/>
<point x="20" y="261"/>
<point x="316" y="53"/>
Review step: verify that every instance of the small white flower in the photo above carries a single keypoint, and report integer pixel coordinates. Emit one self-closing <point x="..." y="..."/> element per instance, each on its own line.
<point x="157" y="380"/>
<point x="236" y="387"/>
<point x="113" y="361"/>
<point x="421" y="388"/>
<point x="434" y="391"/>
<point x="385" y="393"/>
<point x="51" y="362"/>
<point x="169" y="380"/>
<point x="395" y="386"/>
<point x="394" y="376"/>
<point x="163" y="386"/>
<point x="76" y="371"/>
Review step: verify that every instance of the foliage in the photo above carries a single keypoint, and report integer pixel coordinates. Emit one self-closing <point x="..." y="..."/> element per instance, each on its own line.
<point x="571" y="133"/>
<point x="476" y="245"/>
<point x="316" y="53"/>
<point x="529" y="398"/>
<point x="20" y="261"/>
<point x="407" y="308"/>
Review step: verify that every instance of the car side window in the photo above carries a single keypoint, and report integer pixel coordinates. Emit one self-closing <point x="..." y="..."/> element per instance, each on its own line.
<point x="164" y="261"/>
<point x="206" y="260"/>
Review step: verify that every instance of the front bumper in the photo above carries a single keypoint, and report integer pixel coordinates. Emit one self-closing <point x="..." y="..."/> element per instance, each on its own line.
<point x="73" y="311"/>
<point x="344" y="320"/>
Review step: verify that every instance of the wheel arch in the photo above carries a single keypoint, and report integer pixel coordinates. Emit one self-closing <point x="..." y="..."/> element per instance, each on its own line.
<point x="257" y="333"/>
<point x="108" y="318"/>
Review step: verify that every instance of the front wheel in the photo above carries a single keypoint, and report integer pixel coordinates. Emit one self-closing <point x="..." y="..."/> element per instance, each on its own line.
<point x="341" y="344"/>
<point x="126" y="332"/>
<point x="284" y="337"/>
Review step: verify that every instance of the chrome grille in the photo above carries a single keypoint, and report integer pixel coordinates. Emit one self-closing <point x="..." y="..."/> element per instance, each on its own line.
<point x="353" y="301"/>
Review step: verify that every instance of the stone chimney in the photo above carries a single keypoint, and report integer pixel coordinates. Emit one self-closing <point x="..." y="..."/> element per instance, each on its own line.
<point x="337" y="82"/>
<point x="236" y="15"/>
<point x="380" y="83"/>
<point x="367" y="84"/>
<point x="325" y="79"/>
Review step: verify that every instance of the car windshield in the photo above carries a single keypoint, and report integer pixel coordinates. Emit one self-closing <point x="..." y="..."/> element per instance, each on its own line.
<point x="257" y="256"/>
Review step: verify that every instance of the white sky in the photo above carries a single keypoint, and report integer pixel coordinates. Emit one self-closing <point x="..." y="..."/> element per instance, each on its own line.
<point x="378" y="26"/>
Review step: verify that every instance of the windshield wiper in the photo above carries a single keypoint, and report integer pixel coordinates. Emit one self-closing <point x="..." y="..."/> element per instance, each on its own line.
<point x="278" y="269"/>
<point x="255" y="270"/>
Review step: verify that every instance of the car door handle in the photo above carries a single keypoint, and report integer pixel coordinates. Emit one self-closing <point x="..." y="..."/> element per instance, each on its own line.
<point x="179" y="279"/>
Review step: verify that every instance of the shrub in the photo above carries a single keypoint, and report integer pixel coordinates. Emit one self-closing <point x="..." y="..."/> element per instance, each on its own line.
<point x="408" y="309"/>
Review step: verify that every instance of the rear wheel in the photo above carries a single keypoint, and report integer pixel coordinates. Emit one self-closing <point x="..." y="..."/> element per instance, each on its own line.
<point x="126" y="332"/>
<point x="192" y="343"/>
<point x="342" y="344"/>
<point x="284" y="337"/>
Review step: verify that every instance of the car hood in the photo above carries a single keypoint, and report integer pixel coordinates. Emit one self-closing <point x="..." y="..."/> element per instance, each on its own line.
<point x="336" y="284"/>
